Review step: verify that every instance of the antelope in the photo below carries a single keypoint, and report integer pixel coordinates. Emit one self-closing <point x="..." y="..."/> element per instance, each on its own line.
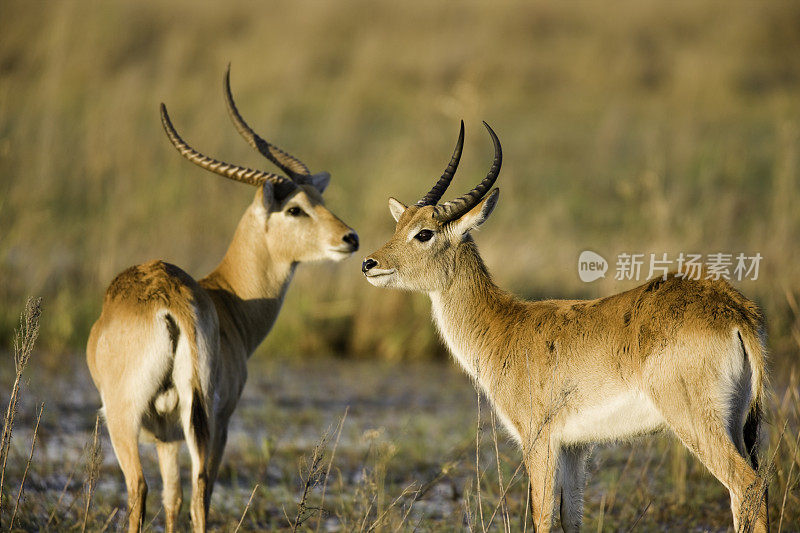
<point x="169" y="354"/>
<point x="678" y="354"/>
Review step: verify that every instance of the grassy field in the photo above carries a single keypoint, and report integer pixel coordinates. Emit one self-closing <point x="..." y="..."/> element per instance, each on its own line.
<point x="328" y="444"/>
<point x="637" y="126"/>
<point x="649" y="127"/>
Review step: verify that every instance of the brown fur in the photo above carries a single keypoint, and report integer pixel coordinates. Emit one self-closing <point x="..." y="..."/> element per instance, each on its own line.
<point x="168" y="353"/>
<point x="564" y="374"/>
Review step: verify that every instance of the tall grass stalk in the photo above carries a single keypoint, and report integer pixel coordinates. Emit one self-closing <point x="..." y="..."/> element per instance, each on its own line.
<point x="330" y="464"/>
<point x="61" y="495"/>
<point x="110" y="518"/>
<point x="246" y="508"/>
<point x="94" y="458"/>
<point x="24" y="341"/>
<point x="313" y="477"/>
<point x="478" y="476"/>
<point x="27" y="465"/>
<point x="502" y="501"/>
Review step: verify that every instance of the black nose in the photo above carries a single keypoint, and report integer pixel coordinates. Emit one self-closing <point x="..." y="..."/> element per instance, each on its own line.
<point x="367" y="264"/>
<point x="351" y="239"/>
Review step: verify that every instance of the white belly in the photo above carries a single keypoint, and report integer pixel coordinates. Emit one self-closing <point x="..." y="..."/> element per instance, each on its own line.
<point x="621" y="416"/>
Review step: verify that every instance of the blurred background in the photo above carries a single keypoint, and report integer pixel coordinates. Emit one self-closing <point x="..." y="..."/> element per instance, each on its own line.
<point x="651" y="127"/>
<point x="628" y="127"/>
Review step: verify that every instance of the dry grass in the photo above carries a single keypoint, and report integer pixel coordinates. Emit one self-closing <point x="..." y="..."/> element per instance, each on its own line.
<point x="647" y="126"/>
<point x="406" y="462"/>
<point x="93" y="461"/>
<point x="644" y="126"/>
<point x="24" y="341"/>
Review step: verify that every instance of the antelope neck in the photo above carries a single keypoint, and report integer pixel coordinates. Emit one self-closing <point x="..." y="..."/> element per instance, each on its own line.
<point x="248" y="287"/>
<point x="470" y="313"/>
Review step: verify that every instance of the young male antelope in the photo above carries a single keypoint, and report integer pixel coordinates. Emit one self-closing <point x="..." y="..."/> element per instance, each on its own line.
<point x="674" y="353"/>
<point x="168" y="353"/>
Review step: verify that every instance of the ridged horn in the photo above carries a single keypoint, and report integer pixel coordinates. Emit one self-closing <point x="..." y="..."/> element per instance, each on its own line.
<point x="449" y="211"/>
<point x="435" y="194"/>
<point x="234" y="172"/>
<point x="286" y="162"/>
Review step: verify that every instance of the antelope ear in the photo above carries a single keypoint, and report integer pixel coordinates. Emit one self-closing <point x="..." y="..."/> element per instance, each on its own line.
<point x="478" y="214"/>
<point x="396" y="208"/>
<point x="320" y="181"/>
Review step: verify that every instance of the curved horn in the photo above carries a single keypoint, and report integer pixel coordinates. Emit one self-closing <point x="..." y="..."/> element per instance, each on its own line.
<point x="435" y="194"/>
<point x="452" y="210"/>
<point x="234" y="172"/>
<point x="286" y="162"/>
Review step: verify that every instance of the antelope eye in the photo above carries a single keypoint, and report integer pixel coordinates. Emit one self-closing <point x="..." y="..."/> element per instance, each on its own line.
<point x="424" y="235"/>
<point x="295" y="211"/>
